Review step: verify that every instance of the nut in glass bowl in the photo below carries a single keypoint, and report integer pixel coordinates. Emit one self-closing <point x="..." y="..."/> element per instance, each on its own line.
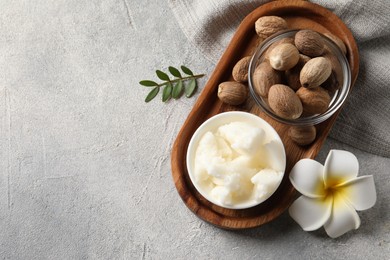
<point x="299" y="77"/>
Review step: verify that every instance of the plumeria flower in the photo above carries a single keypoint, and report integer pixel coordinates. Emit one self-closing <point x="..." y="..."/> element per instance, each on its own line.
<point x="331" y="193"/>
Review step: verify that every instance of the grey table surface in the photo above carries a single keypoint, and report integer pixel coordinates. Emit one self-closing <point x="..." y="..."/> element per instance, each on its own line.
<point x="85" y="163"/>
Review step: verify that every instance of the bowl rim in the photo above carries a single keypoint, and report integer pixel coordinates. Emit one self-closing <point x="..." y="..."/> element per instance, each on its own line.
<point x="338" y="98"/>
<point x="203" y="128"/>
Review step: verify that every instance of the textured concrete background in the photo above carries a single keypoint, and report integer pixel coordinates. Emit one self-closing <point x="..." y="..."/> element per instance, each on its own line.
<point x="85" y="163"/>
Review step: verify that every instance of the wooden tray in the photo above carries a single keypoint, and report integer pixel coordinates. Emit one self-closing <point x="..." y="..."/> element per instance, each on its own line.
<point x="299" y="15"/>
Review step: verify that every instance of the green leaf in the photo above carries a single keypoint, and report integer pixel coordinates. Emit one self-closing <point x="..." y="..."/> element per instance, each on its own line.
<point x="152" y="94"/>
<point x="175" y="72"/>
<point x="148" y="83"/>
<point x="176" y="83"/>
<point x="167" y="92"/>
<point x="187" y="71"/>
<point x="191" y="88"/>
<point x="177" y="90"/>
<point x="162" y="75"/>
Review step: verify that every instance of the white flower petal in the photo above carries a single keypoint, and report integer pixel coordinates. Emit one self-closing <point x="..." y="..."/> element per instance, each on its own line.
<point x="311" y="213"/>
<point x="307" y="177"/>
<point x="340" y="166"/>
<point x="360" y="192"/>
<point x="343" y="218"/>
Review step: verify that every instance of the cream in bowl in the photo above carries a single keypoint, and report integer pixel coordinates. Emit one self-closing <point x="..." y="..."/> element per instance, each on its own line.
<point x="236" y="160"/>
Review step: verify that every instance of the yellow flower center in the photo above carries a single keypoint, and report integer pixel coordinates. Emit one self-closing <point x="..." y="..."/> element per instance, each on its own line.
<point x="335" y="191"/>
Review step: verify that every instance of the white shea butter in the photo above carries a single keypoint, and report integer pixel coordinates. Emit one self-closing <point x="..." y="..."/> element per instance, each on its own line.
<point x="238" y="163"/>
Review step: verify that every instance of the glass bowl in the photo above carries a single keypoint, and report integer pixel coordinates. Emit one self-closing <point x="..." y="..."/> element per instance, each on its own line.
<point x="337" y="97"/>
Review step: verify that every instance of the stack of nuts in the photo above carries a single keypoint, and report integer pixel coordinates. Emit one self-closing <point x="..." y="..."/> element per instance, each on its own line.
<point x="296" y="76"/>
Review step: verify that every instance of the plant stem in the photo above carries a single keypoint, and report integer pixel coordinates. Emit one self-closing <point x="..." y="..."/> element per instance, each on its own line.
<point x="184" y="78"/>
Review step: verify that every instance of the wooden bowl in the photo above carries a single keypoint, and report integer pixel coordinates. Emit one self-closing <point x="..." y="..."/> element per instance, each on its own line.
<point x="299" y="15"/>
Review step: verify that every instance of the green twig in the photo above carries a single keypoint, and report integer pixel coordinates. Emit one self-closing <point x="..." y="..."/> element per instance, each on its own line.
<point x="173" y="88"/>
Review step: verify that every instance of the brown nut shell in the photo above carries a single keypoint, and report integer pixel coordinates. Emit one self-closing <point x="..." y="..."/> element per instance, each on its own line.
<point x="232" y="93"/>
<point x="240" y="70"/>
<point x="264" y="77"/>
<point x="314" y="101"/>
<point x="284" y="56"/>
<point x="302" y="135"/>
<point x="284" y="102"/>
<point x="292" y="75"/>
<point x="268" y="25"/>
<point x="315" y="72"/>
<point x="331" y="84"/>
<point x="338" y="42"/>
<point x="310" y="43"/>
<point x="335" y="81"/>
<point x="273" y="45"/>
